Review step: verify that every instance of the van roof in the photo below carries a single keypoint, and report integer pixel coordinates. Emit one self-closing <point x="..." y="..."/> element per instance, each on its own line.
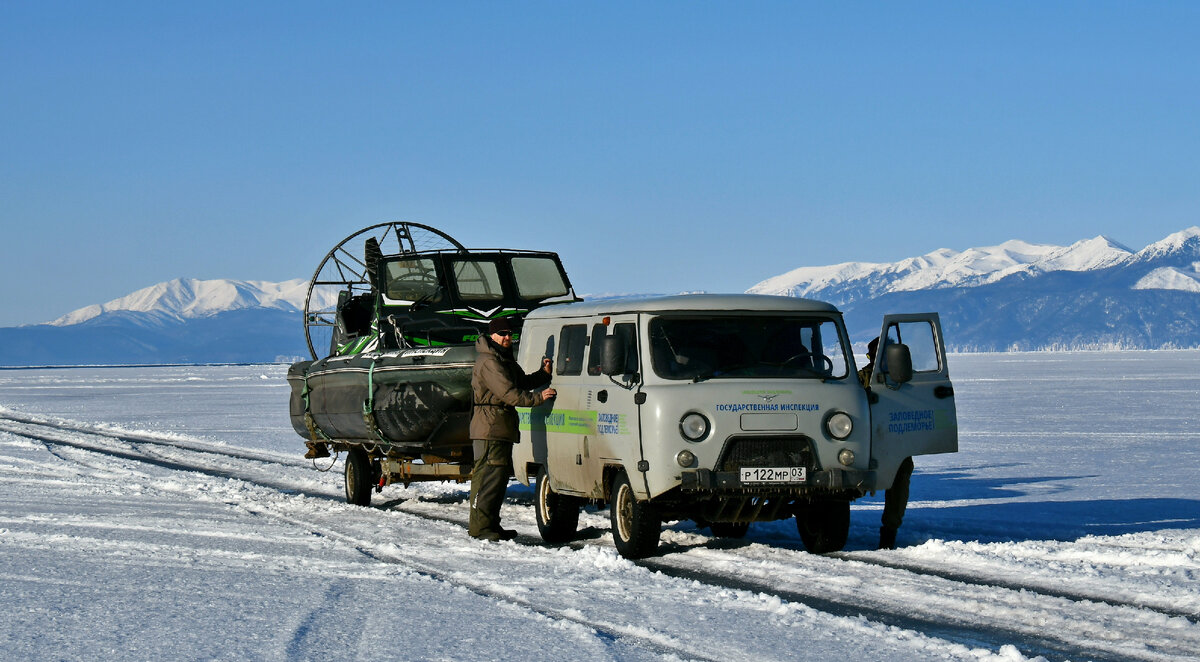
<point x="685" y="303"/>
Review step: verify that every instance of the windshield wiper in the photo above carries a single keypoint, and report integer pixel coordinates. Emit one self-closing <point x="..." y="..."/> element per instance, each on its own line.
<point x="723" y="370"/>
<point x="424" y="299"/>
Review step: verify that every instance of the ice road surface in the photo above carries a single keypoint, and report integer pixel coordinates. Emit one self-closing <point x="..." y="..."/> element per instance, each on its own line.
<point x="166" y="513"/>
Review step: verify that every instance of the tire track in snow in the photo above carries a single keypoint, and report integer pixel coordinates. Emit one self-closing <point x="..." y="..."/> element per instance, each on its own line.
<point x="973" y="634"/>
<point x="1032" y="642"/>
<point x="613" y="634"/>
<point x="1076" y="596"/>
<point x="8" y="418"/>
<point x="51" y="435"/>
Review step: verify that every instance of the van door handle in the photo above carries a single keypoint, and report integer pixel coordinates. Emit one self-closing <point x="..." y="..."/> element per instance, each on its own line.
<point x="602" y="396"/>
<point x="943" y="392"/>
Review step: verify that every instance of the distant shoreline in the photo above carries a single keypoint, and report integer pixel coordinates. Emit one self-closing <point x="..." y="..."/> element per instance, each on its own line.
<point x="1080" y="350"/>
<point x="137" y="365"/>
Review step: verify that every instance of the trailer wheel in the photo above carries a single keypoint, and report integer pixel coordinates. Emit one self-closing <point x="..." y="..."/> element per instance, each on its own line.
<point x="358" y="477"/>
<point x="636" y="526"/>
<point x="729" y="529"/>
<point x="824" y="525"/>
<point x="557" y="514"/>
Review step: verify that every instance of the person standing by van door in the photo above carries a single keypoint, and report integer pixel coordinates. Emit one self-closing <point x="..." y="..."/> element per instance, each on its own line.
<point x="895" y="498"/>
<point x="498" y="386"/>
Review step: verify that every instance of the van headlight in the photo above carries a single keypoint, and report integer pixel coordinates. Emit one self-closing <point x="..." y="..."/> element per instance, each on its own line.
<point x="839" y="425"/>
<point x="694" y="427"/>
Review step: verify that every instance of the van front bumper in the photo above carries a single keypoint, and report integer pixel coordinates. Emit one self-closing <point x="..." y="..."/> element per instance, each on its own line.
<point x="705" y="480"/>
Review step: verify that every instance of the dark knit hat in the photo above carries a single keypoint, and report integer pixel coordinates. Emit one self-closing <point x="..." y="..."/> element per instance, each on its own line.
<point x="499" y="324"/>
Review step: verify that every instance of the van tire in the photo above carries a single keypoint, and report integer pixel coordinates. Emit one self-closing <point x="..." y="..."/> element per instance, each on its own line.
<point x="636" y="526"/>
<point x="824" y="525"/>
<point x="358" y="477"/>
<point x="557" y="514"/>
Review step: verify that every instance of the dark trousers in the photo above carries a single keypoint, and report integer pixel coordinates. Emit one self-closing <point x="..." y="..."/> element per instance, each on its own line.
<point x="489" y="481"/>
<point x="895" y="498"/>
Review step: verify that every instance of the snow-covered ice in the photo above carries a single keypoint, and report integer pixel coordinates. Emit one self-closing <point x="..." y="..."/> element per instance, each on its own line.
<point x="153" y="513"/>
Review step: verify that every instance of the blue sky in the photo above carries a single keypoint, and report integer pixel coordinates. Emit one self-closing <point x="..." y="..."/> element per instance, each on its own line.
<point x="658" y="147"/>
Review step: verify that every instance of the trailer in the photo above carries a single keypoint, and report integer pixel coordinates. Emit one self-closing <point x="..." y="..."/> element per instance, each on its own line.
<point x="391" y="317"/>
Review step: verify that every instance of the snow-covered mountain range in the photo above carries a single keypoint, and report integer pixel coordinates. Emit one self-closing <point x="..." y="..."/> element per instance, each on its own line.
<point x="1095" y="293"/>
<point x="188" y="298"/>
<point x="942" y="269"/>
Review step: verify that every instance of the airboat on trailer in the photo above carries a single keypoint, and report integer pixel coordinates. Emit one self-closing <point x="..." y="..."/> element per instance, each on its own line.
<point x="391" y="331"/>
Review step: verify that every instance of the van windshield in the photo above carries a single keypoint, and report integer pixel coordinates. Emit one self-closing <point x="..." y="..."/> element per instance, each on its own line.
<point x="700" y="348"/>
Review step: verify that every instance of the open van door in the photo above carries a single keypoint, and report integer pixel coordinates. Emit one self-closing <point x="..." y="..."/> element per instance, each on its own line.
<point x="912" y="402"/>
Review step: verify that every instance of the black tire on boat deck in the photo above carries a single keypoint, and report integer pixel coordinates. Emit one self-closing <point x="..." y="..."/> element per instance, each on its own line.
<point x="358" y="477"/>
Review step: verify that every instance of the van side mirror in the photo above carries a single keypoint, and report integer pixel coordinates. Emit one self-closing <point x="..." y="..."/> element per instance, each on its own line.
<point x="899" y="362"/>
<point x="612" y="356"/>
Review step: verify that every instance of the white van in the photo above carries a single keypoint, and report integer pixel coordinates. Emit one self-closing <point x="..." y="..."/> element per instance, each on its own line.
<point x="726" y="410"/>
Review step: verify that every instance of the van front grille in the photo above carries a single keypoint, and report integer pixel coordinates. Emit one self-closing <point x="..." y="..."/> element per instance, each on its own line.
<point x="767" y="452"/>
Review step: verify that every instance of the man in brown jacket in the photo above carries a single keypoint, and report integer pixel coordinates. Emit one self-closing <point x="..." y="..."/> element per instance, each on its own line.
<point x="498" y="385"/>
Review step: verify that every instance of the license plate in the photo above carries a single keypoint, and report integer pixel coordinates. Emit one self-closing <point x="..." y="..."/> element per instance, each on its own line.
<point x="774" y="474"/>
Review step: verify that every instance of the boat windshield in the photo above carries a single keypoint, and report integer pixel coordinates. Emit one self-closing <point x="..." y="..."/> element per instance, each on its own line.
<point x="477" y="280"/>
<point x="412" y="280"/>
<point x="742" y="346"/>
<point x="474" y="279"/>
<point x="538" y="278"/>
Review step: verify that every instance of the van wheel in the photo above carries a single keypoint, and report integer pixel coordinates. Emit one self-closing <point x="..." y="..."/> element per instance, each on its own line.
<point x="729" y="529"/>
<point x="557" y="514"/>
<point x="358" y="477"/>
<point x="636" y="526"/>
<point x="824" y="525"/>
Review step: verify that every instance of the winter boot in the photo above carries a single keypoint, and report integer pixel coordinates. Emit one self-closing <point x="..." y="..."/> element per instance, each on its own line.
<point x="887" y="538"/>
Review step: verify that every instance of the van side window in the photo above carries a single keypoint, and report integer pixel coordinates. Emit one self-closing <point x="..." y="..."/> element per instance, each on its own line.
<point x="594" y="358"/>
<point x="921" y="344"/>
<point x="627" y="332"/>
<point x="570" y="349"/>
